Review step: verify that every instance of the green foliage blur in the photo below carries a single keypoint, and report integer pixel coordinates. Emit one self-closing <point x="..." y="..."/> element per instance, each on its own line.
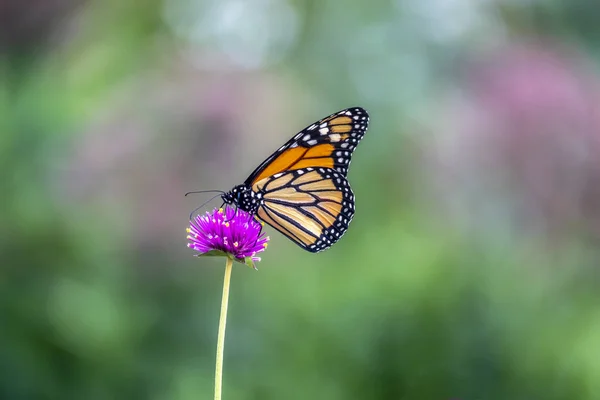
<point x="471" y="268"/>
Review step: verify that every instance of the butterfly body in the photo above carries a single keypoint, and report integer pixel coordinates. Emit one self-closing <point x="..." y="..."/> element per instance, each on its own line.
<point x="301" y="190"/>
<point x="243" y="197"/>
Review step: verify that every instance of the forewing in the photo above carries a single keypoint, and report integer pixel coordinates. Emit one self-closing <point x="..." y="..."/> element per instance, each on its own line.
<point x="328" y="144"/>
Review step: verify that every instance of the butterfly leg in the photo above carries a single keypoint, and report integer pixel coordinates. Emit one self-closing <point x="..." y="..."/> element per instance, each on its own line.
<point x="234" y="215"/>
<point x="262" y="225"/>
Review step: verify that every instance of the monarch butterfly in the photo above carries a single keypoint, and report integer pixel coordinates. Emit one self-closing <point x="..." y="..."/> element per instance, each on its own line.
<point x="301" y="189"/>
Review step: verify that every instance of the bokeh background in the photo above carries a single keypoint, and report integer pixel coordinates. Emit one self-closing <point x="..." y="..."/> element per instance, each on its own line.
<point x="471" y="270"/>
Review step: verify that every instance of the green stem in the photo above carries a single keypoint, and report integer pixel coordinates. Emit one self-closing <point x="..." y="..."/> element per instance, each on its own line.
<point x="221" y="335"/>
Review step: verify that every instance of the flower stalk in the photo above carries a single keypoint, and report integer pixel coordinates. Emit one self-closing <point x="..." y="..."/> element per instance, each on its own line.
<point x="222" y="326"/>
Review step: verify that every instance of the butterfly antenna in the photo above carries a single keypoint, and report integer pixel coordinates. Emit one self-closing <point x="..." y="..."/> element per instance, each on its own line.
<point x="202" y="205"/>
<point x="206" y="191"/>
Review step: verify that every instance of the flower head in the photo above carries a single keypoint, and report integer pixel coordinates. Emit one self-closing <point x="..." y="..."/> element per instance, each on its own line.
<point x="229" y="232"/>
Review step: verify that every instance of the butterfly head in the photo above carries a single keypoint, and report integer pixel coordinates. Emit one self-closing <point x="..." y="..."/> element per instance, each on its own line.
<point x="243" y="197"/>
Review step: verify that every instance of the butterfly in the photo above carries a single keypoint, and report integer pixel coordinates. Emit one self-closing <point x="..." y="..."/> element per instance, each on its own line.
<point x="301" y="190"/>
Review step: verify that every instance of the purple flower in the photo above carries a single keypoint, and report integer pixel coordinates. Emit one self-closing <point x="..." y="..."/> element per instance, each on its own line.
<point x="229" y="233"/>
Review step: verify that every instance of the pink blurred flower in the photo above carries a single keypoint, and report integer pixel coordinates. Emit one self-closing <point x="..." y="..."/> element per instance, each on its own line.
<point x="523" y="148"/>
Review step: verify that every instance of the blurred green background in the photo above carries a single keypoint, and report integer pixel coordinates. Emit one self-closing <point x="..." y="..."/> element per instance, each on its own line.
<point x="471" y="269"/>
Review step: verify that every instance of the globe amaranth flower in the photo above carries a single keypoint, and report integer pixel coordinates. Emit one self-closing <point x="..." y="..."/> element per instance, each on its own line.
<point x="229" y="232"/>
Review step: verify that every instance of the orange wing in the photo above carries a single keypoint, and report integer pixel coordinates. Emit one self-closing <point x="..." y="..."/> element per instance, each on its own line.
<point x="328" y="143"/>
<point x="311" y="206"/>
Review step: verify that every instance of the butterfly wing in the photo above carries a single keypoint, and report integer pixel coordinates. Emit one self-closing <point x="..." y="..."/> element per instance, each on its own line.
<point x="311" y="206"/>
<point x="328" y="143"/>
